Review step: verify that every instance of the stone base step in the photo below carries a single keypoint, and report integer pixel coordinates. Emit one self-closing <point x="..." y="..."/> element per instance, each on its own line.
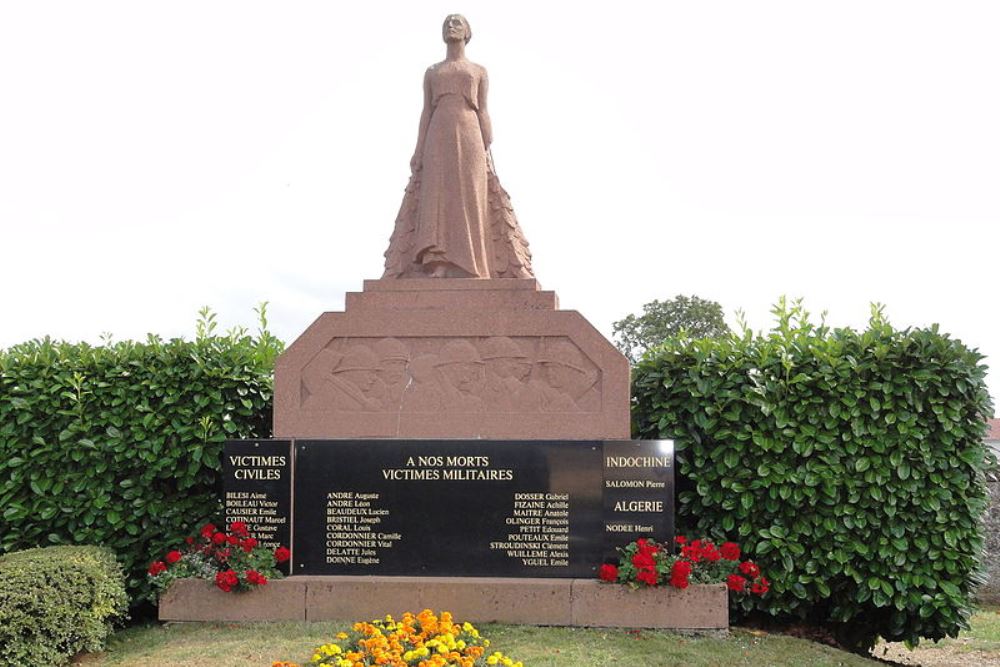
<point x="566" y="602"/>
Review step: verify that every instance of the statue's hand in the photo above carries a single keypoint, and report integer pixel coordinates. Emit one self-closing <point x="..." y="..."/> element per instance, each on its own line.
<point x="415" y="162"/>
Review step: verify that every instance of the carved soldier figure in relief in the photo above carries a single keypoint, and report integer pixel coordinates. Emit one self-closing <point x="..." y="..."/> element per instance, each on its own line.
<point x="570" y="383"/>
<point x="461" y="370"/>
<point x="456" y="221"/>
<point x="393" y="357"/>
<point x="423" y="393"/>
<point x="507" y="371"/>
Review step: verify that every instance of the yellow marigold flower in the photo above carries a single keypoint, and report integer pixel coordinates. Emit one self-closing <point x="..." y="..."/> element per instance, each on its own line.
<point x="317" y="657"/>
<point x="492" y="660"/>
<point x="341" y="635"/>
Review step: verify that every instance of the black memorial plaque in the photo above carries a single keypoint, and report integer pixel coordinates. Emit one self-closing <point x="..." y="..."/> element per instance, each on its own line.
<point x="638" y="492"/>
<point x="448" y="508"/>
<point x="257" y="488"/>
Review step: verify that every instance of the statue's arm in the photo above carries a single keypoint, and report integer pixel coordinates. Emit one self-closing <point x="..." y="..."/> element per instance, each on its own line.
<point x="416" y="162"/>
<point x="485" y="126"/>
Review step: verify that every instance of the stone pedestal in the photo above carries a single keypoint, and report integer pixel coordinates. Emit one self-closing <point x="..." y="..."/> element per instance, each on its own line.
<point x="566" y="602"/>
<point x="452" y="358"/>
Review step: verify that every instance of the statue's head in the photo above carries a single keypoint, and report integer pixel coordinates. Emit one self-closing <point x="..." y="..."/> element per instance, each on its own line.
<point x="456" y="28"/>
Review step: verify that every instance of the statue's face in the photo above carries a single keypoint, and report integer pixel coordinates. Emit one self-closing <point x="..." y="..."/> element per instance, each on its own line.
<point x="392" y="371"/>
<point x="468" y="378"/>
<point x="363" y="379"/>
<point x="455" y="29"/>
<point x="505" y="367"/>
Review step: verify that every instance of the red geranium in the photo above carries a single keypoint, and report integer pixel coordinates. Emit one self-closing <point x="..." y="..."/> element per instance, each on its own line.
<point x="647" y="575"/>
<point x="736" y="583"/>
<point x="730" y="551"/>
<point x="643" y="559"/>
<point x="254" y="577"/>
<point x="227" y="580"/>
<point x="646" y="563"/>
<point x="217" y="555"/>
<point x="681" y="568"/>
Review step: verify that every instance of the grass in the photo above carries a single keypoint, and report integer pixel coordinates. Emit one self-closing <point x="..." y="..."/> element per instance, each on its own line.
<point x="198" y="645"/>
<point x="980" y="646"/>
<point x="217" y="644"/>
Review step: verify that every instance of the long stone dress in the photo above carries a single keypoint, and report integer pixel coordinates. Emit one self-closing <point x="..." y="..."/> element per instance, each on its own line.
<point x="454" y="212"/>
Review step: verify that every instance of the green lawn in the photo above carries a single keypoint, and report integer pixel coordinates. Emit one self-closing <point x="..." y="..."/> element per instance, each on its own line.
<point x="215" y="644"/>
<point x="196" y="645"/>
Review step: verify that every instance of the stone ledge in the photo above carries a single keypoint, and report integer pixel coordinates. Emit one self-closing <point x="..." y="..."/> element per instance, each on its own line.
<point x="200" y="600"/>
<point x="567" y="602"/>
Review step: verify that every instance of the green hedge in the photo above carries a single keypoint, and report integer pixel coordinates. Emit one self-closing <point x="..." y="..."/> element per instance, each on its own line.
<point x="56" y="602"/>
<point x="850" y="463"/>
<point x="120" y="445"/>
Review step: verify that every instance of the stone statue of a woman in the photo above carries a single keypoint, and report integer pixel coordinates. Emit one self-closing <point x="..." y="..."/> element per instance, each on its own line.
<point x="456" y="220"/>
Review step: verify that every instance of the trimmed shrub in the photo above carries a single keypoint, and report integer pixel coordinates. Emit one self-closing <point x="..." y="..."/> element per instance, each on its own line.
<point x="120" y="445"/>
<point x="56" y="602"/>
<point x="851" y="464"/>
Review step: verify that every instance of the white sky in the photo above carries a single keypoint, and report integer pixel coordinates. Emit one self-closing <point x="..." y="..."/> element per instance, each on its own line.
<point x="157" y="157"/>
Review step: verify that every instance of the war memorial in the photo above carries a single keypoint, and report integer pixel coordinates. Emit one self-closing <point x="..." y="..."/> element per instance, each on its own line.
<point x="452" y="439"/>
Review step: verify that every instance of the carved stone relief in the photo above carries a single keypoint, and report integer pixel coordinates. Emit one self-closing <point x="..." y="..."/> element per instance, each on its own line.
<point x="499" y="374"/>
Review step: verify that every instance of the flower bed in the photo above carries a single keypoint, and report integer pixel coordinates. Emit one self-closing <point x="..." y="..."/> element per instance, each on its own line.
<point x="646" y="563"/>
<point x="421" y="640"/>
<point x="233" y="560"/>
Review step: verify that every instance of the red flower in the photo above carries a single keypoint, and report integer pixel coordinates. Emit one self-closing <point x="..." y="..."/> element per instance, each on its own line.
<point x="157" y="568"/>
<point x="207" y="530"/>
<point x="749" y="569"/>
<point x="679" y="582"/>
<point x="681" y="568"/>
<point x="227" y="580"/>
<point x="222" y="555"/>
<point x="643" y="559"/>
<point x="692" y="552"/>
<point x="189" y="540"/>
<point x="760" y="586"/>
<point x="608" y="573"/>
<point x="248" y="544"/>
<point x="730" y="551"/>
<point x="239" y="528"/>
<point x="254" y="577"/>
<point x="281" y="554"/>
<point x="735" y="582"/>
<point x="711" y="554"/>
<point x="173" y="557"/>
<point x="218" y="538"/>
<point x="233" y="540"/>
<point x="680" y="539"/>
<point x="647" y="575"/>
